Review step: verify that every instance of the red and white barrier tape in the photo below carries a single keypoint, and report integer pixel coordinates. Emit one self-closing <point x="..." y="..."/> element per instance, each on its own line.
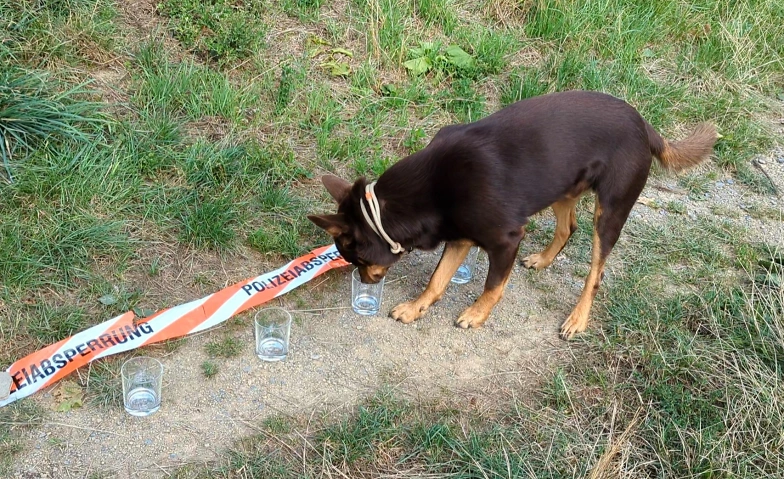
<point x="47" y="366"/>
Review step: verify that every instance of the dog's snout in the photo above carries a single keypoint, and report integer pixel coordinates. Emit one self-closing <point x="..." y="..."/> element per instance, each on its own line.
<point x="372" y="274"/>
<point x="370" y="278"/>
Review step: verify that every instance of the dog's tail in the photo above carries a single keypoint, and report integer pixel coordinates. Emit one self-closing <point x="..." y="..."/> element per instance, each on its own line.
<point x="691" y="151"/>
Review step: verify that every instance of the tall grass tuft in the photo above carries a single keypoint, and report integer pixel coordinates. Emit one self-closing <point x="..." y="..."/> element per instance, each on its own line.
<point x="35" y="113"/>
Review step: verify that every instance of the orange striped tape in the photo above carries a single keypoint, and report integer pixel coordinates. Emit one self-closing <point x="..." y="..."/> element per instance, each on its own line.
<point x="124" y="333"/>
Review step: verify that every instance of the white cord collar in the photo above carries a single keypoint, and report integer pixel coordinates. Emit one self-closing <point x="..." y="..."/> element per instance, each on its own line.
<point x="374" y="218"/>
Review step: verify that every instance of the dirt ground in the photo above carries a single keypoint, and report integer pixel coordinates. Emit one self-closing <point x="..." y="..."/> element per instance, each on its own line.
<point x="338" y="358"/>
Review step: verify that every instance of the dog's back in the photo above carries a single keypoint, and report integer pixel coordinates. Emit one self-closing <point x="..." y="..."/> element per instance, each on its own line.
<point x="529" y="155"/>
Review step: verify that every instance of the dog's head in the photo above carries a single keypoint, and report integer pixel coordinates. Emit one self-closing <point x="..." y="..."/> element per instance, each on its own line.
<point x="354" y="239"/>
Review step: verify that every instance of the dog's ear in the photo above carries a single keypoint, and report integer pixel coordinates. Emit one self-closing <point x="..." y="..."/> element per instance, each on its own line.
<point x="335" y="225"/>
<point x="338" y="188"/>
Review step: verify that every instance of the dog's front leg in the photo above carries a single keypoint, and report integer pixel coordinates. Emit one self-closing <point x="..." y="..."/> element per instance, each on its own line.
<point x="454" y="254"/>
<point x="501" y="262"/>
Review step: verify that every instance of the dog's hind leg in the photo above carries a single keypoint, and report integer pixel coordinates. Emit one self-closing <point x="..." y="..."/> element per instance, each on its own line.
<point x="608" y="220"/>
<point x="454" y="254"/>
<point x="566" y="224"/>
<point x="501" y="262"/>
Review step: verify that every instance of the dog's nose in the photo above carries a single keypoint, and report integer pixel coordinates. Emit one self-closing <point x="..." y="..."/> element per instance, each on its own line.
<point x="368" y="278"/>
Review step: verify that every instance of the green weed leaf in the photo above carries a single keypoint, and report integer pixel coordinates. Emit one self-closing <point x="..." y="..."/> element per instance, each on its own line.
<point x="388" y="89"/>
<point x="342" y="51"/>
<point x="337" y="69"/>
<point x="316" y="40"/>
<point x="459" y="57"/>
<point x="419" y="66"/>
<point x="318" y="51"/>
<point x="108" y="299"/>
<point x="68" y="396"/>
<point x="143" y="312"/>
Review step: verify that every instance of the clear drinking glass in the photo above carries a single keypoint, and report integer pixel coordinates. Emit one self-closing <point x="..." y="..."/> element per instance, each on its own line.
<point x="365" y="297"/>
<point x="465" y="272"/>
<point x="272" y="328"/>
<point x="141" y="380"/>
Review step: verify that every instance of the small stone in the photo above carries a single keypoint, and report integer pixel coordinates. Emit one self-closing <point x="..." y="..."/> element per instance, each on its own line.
<point x="148" y="442"/>
<point x="780" y="159"/>
<point x="760" y="161"/>
<point x="5" y="385"/>
<point x="730" y="181"/>
<point x="315" y="356"/>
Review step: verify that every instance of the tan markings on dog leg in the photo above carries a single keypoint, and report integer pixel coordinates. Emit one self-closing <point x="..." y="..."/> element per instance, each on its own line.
<point x="566" y="223"/>
<point x="577" y="322"/>
<point x="476" y="314"/>
<point x="454" y="254"/>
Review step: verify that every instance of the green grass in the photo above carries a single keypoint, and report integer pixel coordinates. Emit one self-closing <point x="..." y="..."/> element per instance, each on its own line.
<point x="210" y="223"/>
<point x="697" y="185"/>
<point x="762" y="212"/>
<point x="185" y="88"/>
<point x="47" y="34"/>
<point x="386" y="40"/>
<point x="56" y="248"/>
<point x="217" y="30"/>
<point x="437" y="14"/>
<point x="33" y="114"/>
<point x="51" y="324"/>
<point x="226" y="347"/>
<point x="302" y="9"/>
<point x="104" y="385"/>
<point x="464" y="102"/>
<point x="205" y="135"/>
<point x="209" y="368"/>
<point x="676" y="207"/>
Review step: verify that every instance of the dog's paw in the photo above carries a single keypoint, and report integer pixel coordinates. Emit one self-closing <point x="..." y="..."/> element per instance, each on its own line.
<point x="536" y="261"/>
<point x="472" y="318"/>
<point x="407" y="312"/>
<point x="575" y="323"/>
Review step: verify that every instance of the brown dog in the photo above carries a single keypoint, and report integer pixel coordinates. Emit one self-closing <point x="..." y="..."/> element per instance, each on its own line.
<point x="478" y="183"/>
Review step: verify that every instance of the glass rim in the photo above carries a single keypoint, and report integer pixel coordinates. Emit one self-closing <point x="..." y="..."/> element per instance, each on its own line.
<point x="355" y="276"/>
<point x="271" y="308"/>
<point x="137" y="359"/>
